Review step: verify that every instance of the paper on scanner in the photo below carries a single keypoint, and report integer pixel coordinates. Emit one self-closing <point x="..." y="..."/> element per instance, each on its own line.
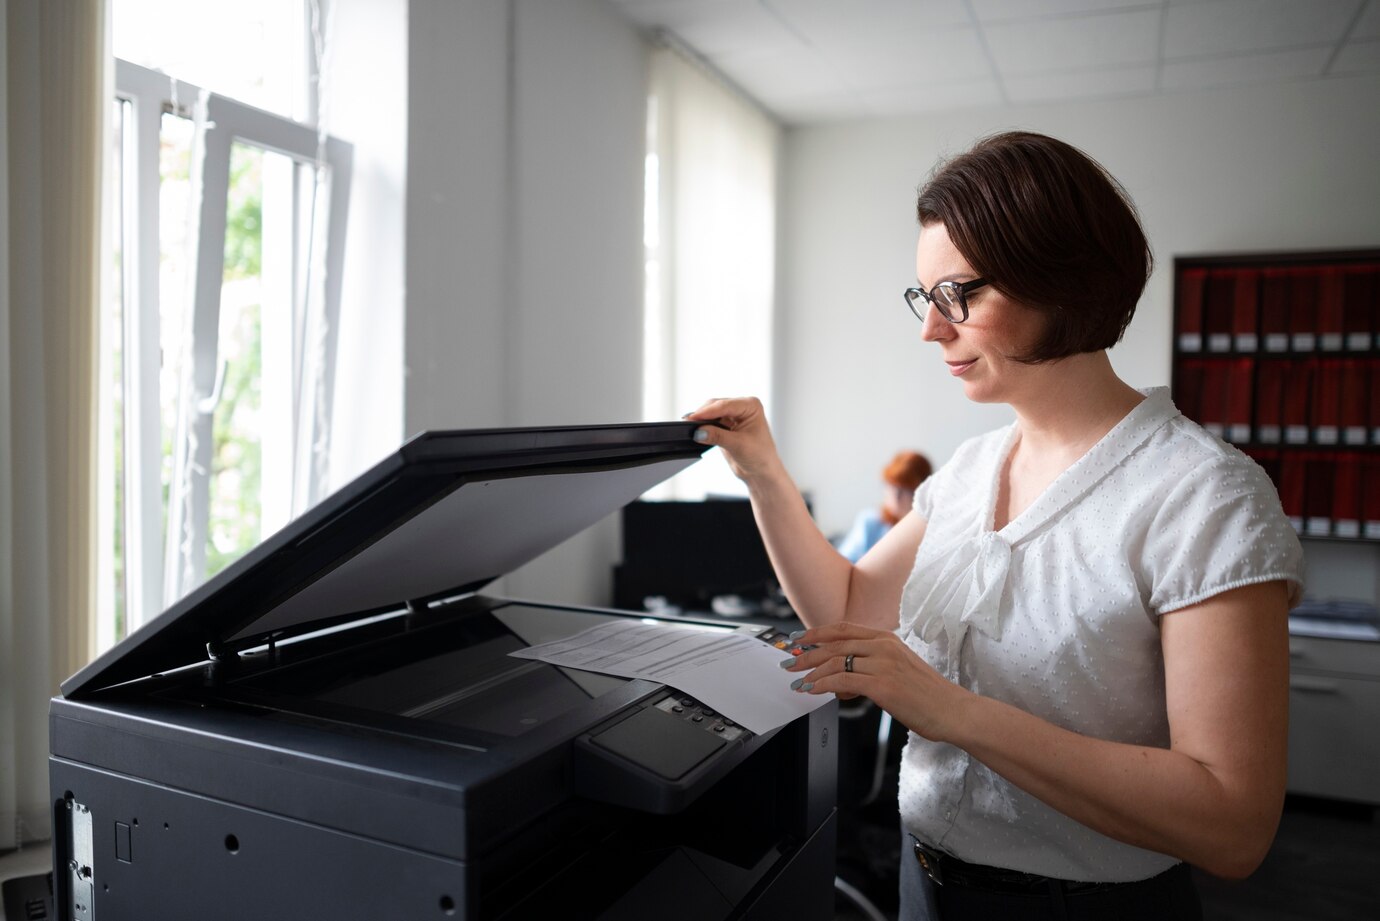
<point x="738" y="675"/>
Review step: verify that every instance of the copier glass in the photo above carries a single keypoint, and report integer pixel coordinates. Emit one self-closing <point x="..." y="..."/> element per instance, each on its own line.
<point x="332" y="727"/>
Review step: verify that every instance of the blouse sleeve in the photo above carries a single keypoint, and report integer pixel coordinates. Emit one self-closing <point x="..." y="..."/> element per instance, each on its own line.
<point x="1219" y="529"/>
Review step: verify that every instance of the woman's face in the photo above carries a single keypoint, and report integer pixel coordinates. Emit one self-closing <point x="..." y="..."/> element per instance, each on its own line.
<point x="977" y="351"/>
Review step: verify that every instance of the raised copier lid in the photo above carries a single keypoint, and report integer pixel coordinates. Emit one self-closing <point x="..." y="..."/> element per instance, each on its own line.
<point x="445" y="514"/>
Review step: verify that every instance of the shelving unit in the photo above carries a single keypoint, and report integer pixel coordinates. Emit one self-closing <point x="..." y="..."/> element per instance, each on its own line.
<point x="1279" y="354"/>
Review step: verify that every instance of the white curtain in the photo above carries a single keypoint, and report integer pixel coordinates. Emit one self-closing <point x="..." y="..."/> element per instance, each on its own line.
<point x="55" y="114"/>
<point x="711" y="245"/>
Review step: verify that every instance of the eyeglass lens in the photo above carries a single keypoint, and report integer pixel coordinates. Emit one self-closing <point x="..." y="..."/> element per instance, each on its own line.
<point x="946" y="295"/>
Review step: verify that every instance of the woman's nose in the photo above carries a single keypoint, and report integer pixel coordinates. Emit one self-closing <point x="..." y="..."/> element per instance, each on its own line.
<point x="935" y="327"/>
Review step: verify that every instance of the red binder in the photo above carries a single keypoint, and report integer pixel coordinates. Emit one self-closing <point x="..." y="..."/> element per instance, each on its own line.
<point x="1188" y="389"/>
<point x="1346" y="496"/>
<point x="1354" y="413"/>
<point x="1274" y="309"/>
<point x="1247" y="310"/>
<point x="1303" y="310"/>
<point x="1370" y="498"/>
<point x="1327" y="403"/>
<point x="1294" y="412"/>
<point x="1374" y="409"/>
<point x="1269" y="398"/>
<point x="1190" y="320"/>
<point x="1219" y="309"/>
<point x="1239" y="400"/>
<point x="1291" y="482"/>
<point x="1331" y="316"/>
<point x="1361" y="306"/>
<point x="1317" y="496"/>
<point x="1212" y="403"/>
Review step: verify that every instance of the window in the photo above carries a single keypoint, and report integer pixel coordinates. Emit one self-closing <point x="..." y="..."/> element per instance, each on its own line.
<point x="218" y="332"/>
<point x="710" y="252"/>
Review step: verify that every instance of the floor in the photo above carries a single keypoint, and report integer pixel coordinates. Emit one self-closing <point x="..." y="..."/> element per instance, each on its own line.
<point x="1324" y="866"/>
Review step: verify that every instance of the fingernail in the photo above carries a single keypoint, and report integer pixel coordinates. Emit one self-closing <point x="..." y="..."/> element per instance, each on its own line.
<point x="787" y="663"/>
<point x="797" y="684"/>
<point x="797" y="635"/>
<point x="701" y="436"/>
<point x="807" y="686"/>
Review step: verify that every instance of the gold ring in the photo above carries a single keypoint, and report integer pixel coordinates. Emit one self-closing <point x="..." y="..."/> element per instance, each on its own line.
<point x="848" y="662"/>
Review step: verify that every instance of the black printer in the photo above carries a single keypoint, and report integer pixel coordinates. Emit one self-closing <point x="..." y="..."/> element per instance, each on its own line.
<point x="332" y="727"/>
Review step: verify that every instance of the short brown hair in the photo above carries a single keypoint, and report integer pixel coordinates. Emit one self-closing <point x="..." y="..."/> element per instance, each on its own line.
<point x="1047" y="226"/>
<point x="907" y="470"/>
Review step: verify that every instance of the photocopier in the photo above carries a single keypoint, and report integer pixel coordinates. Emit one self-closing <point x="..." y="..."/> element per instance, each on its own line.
<point x="332" y="727"/>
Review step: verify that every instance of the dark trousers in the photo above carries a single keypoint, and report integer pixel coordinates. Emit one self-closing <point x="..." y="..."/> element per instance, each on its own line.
<point x="1167" y="897"/>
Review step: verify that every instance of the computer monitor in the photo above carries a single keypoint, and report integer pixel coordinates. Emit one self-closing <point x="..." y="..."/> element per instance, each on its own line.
<point x="689" y="553"/>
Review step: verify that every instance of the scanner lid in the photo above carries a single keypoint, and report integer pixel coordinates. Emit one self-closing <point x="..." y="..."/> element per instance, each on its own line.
<point x="445" y="514"/>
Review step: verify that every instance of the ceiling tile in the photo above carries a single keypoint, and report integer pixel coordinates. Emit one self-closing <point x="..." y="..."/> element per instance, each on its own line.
<point x="1207" y="72"/>
<point x="886" y="58"/>
<point x="1232" y="26"/>
<point x="1110" y="40"/>
<point x="714" y="27"/>
<point x="839" y="107"/>
<point x="930" y="98"/>
<point x="1090" y="84"/>
<point x="1368" y="26"/>
<point x="813" y="17"/>
<point x="774" y="74"/>
<point x="1357" y="58"/>
<point x="999" y="10"/>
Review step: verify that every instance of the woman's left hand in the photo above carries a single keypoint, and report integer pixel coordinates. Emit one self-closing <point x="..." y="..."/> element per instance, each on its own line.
<point x="884" y="669"/>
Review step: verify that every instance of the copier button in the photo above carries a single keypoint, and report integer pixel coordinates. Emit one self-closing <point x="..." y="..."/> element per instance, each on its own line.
<point x="697" y="718"/>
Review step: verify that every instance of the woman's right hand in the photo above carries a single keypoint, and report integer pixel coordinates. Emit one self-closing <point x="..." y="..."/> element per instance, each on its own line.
<point x="743" y="434"/>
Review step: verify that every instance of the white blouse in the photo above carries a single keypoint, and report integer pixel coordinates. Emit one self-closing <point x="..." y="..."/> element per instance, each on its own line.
<point x="1057" y="614"/>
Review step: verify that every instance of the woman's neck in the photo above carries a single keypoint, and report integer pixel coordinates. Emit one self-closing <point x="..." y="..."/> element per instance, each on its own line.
<point x="1071" y="404"/>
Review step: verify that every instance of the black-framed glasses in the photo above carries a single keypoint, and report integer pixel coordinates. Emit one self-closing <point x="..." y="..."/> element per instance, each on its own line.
<point x="950" y="297"/>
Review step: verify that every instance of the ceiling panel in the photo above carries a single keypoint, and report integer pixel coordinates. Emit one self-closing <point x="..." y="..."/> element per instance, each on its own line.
<point x="813" y="60"/>
<point x="782" y="75"/>
<point x="1231" y="26"/>
<point x="1358" y="58"/>
<point x="883" y="58"/>
<point x="814" y="17"/>
<point x="1046" y="45"/>
<point x="999" y="10"/>
<point x="930" y="98"/>
<point x="1368" y="26"/>
<point x="1124" y="81"/>
<point x="1209" y="72"/>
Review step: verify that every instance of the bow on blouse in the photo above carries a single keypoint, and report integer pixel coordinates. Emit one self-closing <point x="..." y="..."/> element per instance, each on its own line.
<point x="968" y="590"/>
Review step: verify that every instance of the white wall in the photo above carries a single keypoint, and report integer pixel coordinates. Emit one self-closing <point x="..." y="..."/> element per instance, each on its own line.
<point x="365" y="103"/>
<point x="1280" y="167"/>
<point x="526" y="137"/>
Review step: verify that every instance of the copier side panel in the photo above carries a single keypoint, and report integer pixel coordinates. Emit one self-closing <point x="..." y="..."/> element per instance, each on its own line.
<point x="161" y="853"/>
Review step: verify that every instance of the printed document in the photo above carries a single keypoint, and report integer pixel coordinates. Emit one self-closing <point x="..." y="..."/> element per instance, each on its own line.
<point x="738" y="675"/>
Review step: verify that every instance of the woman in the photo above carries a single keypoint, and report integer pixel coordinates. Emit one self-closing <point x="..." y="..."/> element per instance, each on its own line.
<point x="1083" y="621"/>
<point x="900" y="478"/>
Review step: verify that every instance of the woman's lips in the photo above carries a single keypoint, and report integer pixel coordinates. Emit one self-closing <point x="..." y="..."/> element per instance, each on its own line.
<point x="958" y="367"/>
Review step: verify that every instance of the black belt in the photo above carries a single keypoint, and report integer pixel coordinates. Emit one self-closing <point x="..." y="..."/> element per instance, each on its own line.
<point x="945" y="869"/>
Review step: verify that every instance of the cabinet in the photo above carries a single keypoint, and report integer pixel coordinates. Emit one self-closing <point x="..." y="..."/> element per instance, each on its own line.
<point x="1279" y="354"/>
<point x="1334" y="707"/>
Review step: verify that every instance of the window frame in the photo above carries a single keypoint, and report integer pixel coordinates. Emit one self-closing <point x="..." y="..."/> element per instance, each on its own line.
<point x="162" y="563"/>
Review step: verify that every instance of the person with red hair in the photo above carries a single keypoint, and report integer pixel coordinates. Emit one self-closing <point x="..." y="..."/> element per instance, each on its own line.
<point x="900" y="478"/>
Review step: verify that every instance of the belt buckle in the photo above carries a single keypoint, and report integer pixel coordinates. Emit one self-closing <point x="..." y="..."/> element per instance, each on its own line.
<point x="929" y="862"/>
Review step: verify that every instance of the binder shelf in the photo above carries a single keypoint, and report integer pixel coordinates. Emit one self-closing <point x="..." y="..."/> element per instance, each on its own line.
<point x="1279" y="354"/>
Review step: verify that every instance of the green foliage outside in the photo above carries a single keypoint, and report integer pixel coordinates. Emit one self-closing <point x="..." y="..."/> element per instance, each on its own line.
<point x="237" y="457"/>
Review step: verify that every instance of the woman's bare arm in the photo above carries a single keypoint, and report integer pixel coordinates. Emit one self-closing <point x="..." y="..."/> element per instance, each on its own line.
<point x="822" y="586"/>
<point x="1213" y="798"/>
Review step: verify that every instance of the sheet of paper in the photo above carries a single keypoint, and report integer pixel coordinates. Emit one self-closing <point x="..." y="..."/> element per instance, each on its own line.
<point x="738" y="675"/>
